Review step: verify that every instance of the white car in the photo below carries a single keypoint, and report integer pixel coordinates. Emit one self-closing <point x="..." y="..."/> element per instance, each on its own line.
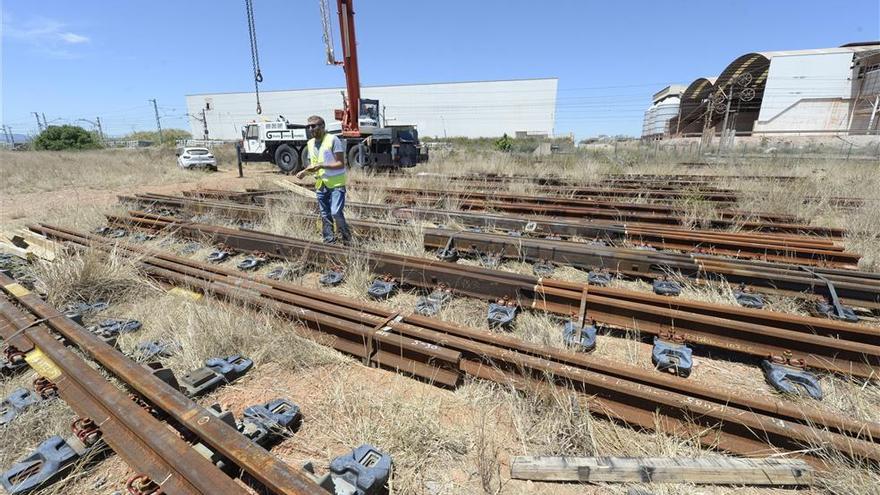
<point x="196" y="158"/>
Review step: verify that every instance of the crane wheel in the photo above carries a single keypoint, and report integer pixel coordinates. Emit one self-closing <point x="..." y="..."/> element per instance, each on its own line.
<point x="287" y="159"/>
<point x="359" y="158"/>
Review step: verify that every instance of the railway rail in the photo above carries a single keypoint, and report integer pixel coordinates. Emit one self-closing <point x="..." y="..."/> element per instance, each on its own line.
<point x="768" y="247"/>
<point x="816" y="343"/>
<point x="141" y="440"/>
<point x="856" y="288"/>
<point x="644" y="212"/>
<point x="647" y="192"/>
<point x="672" y="180"/>
<point x="444" y="353"/>
<point x="637" y="214"/>
<point x="147" y="445"/>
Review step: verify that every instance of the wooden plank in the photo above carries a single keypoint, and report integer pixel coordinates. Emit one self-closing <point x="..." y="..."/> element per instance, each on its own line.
<point x="704" y="470"/>
<point x="7" y="247"/>
<point x="30" y="243"/>
<point x="295" y="188"/>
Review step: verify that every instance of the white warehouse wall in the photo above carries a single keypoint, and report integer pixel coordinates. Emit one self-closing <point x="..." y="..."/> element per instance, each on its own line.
<point x="807" y="92"/>
<point x="458" y="109"/>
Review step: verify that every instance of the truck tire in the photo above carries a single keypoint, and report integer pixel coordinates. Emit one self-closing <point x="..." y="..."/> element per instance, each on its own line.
<point x="359" y="158"/>
<point x="287" y="159"/>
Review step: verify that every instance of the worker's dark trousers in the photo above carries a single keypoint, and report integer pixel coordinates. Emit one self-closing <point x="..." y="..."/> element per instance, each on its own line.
<point x="331" y="202"/>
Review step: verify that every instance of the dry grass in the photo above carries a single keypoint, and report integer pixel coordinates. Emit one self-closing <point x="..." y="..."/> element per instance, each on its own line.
<point x="284" y="217"/>
<point x="89" y="276"/>
<point x="209" y="328"/>
<point x="98" y="169"/>
<point x="408" y="426"/>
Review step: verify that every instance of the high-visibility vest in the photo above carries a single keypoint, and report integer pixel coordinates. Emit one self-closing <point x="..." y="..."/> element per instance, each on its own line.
<point x="334" y="177"/>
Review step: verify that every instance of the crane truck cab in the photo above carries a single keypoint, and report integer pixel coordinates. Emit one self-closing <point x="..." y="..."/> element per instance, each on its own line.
<point x="375" y="146"/>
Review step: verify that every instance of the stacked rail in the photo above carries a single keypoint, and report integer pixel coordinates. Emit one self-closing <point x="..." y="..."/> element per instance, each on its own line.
<point x="816" y="343"/>
<point x="145" y="443"/>
<point x="777" y="248"/>
<point x="445" y="353"/>
<point x="861" y="289"/>
<point x="639" y="214"/>
<point x="651" y="189"/>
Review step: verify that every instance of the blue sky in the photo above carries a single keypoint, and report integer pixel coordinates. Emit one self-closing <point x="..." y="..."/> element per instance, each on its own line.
<point x="82" y="59"/>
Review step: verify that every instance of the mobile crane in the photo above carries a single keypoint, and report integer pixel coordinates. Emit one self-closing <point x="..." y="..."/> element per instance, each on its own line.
<point x="369" y="142"/>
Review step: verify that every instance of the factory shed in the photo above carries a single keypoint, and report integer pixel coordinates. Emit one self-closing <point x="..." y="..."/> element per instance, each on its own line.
<point x="455" y="109"/>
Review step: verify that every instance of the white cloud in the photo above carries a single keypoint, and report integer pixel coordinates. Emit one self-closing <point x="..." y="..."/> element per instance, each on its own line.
<point x="47" y="36"/>
<point x="73" y="38"/>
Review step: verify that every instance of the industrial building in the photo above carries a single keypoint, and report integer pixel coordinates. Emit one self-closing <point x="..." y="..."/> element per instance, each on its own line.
<point x="818" y="91"/>
<point x="454" y="109"/>
<point x="663" y="110"/>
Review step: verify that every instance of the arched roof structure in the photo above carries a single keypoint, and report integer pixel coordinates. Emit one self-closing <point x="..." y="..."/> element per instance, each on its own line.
<point x="692" y="109"/>
<point x="746" y="79"/>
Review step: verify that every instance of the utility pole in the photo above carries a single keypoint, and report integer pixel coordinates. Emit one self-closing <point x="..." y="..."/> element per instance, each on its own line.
<point x="39" y="124"/>
<point x="45" y="123"/>
<point x="158" y="125"/>
<point x="100" y="129"/>
<point x="724" y="130"/>
<point x="205" y="124"/>
<point x="204" y="120"/>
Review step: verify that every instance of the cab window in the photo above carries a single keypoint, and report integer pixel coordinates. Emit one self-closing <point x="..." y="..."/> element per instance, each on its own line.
<point x="252" y="132"/>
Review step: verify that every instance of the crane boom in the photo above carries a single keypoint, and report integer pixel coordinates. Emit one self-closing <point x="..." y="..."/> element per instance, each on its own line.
<point x="350" y="123"/>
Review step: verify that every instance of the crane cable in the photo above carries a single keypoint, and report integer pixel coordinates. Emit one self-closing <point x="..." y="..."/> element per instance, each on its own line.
<point x="255" y="56"/>
<point x="327" y="31"/>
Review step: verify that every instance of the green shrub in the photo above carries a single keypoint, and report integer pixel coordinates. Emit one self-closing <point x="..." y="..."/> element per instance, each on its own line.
<point x="66" y="137"/>
<point x="504" y="143"/>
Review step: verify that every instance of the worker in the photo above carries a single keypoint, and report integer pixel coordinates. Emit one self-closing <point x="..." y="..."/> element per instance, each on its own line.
<point x="325" y="162"/>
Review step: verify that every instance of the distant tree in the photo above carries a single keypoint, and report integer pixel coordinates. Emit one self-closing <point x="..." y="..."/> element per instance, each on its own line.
<point x="66" y="137"/>
<point x="169" y="136"/>
<point x="504" y="143"/>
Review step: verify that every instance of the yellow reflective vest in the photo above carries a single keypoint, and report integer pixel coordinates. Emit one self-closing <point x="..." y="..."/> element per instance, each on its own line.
<point x="330" y="178"/>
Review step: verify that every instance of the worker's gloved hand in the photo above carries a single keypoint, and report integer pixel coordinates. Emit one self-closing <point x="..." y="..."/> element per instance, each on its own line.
<point x="310" y="169"/>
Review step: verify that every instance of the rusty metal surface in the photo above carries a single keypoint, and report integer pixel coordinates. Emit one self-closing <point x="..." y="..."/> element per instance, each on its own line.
<point x="147" y="445"/>
<point x="698" y="323"/>
<point x="770" y="247"/>
<point x="651" y="400"/>
<point x="256" y="461"/>
<point x="853" y="287"/>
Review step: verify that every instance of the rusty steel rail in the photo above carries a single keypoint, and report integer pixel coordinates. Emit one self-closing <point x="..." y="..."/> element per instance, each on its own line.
<point x="647" y="211"/>
<point x="766" y="247"/>
<point x="852" y="287"/>
<point x="675" y="180"/>
<point x="632" y="213"/>
<point x="728" y="421"/>
<point x="560" y="226"/>
<point x="650" y="190"/>
<point x="579" y="208"/>
<point x="264" y="467"/>
<point x="819" y="343"/>
<point x="142" y="441"/>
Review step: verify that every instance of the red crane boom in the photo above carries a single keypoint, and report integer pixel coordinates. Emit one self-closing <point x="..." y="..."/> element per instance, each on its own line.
<point x="350" y="113"/>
